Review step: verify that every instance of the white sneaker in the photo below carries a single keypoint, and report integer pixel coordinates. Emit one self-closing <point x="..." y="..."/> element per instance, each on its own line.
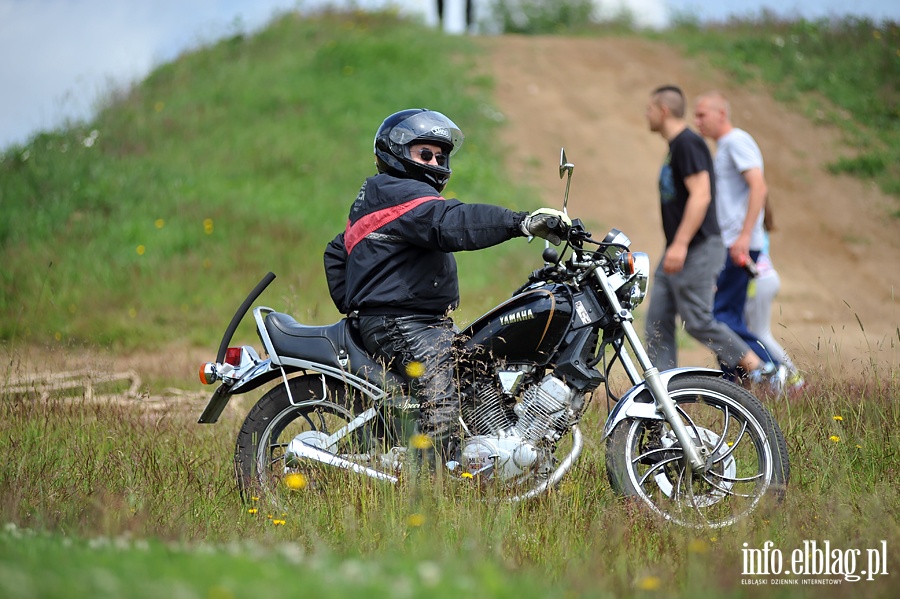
<point x="773" y="377"/>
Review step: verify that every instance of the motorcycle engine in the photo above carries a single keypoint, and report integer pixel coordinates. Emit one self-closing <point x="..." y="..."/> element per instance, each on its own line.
<point x="510" y="443"/>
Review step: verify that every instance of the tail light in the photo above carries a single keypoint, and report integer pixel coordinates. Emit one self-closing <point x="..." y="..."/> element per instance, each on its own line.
<point x="209" y="373"/>
<point x="233" y="356"/>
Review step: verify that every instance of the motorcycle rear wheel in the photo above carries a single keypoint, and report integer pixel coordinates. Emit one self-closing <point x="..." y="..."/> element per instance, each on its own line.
<point x="319" y="408"/>
<point x="748" y="456"/>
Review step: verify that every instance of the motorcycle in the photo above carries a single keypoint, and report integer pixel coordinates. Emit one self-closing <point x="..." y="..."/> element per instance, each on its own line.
<point x="694" y="448"/>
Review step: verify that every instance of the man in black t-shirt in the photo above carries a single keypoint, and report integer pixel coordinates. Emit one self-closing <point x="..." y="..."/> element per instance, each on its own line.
<point x="684" y="282"/>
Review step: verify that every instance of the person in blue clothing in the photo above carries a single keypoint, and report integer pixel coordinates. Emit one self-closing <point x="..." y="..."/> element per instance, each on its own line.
<point x="394" y="264"/>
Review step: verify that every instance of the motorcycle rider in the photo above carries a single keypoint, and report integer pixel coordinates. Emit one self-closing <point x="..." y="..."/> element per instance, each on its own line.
<point x="394" y="264"/>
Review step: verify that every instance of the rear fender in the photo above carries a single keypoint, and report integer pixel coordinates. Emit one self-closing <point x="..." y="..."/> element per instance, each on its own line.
<point x="638" y="403"/>
<point x="267" y="371"/>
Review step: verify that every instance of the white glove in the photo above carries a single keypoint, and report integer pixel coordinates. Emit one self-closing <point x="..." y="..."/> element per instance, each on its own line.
<point x="546" y="223"/>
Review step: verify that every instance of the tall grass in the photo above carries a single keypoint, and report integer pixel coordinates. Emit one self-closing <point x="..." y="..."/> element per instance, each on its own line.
<point x="108" y="475"/>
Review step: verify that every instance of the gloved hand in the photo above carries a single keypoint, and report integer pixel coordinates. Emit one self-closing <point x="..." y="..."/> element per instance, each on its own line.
<point x="546" y="223"/>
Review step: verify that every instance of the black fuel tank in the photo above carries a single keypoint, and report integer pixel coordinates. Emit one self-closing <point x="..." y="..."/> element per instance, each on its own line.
<point x="525" y="328"/>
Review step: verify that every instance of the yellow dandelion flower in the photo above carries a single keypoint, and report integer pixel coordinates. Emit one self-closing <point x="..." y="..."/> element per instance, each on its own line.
<point x="838" y="418"/>
<point x="295" y="481"/>
<point x="57" y="336"/>
<point x="697" y="546"/>
<point x="420" y="441"/>
<point x="252" y="510"/>
<point x="254" y="499"/>
<point x="208" y="226"/>
<point x="415" y="369"/>
<point x="160" y="223"/>
<point x="649" y="583"/>
<point x="415" y="520"/>
<point x="278" y="522"/>
<point x="467" y="475"/>
<point x="835" y="438"/>
<point x="140" y="250"/>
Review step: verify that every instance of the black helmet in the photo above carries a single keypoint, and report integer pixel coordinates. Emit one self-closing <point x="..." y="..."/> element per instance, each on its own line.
<point x="415" y="126"/>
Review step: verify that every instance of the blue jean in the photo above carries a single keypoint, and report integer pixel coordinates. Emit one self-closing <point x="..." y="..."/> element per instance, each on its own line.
<point x="731" y="297"/>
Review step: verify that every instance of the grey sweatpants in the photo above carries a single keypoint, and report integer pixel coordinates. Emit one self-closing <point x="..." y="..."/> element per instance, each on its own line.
<point x="689" y="294"/>
<point x="758" y="314"/>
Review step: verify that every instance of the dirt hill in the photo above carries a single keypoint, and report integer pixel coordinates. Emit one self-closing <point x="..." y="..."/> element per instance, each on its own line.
<point x="837" y="249"/>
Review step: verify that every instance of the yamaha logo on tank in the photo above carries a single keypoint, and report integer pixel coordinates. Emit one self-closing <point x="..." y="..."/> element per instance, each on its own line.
<point x="514" y="317"/>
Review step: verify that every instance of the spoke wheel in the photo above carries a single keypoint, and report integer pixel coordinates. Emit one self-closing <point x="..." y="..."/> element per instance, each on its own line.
<point x="747" y="457"/>
<point x="264" y="465"/>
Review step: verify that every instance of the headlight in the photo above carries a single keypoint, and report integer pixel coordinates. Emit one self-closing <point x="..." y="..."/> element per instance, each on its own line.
<point x="636" y="267"/>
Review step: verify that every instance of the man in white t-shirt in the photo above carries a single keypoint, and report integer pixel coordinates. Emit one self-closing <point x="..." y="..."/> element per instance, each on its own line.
<point x="740" y="204"/>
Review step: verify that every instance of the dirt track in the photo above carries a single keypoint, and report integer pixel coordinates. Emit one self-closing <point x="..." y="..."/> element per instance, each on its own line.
<point x="836" y="247"/>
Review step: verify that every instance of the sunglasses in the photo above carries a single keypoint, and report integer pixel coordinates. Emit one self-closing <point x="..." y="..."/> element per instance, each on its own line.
<point x="426" y="155"/>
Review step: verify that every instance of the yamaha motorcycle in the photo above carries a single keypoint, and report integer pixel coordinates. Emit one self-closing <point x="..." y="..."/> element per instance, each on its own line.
<point x="694" y="448"/>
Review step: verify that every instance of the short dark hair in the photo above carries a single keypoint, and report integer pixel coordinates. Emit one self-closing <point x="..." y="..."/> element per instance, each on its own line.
<point x="672" y="97"/>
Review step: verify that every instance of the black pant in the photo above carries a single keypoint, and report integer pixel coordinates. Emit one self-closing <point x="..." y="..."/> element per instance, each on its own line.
<point x="421" y="347"/>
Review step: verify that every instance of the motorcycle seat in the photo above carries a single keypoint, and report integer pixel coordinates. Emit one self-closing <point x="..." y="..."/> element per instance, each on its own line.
<point x="310" y="342"/>
<point x="338" y="345"/>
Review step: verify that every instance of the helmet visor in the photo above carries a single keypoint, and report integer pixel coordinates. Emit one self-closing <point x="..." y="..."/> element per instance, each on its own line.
<point x="428" y="126"/>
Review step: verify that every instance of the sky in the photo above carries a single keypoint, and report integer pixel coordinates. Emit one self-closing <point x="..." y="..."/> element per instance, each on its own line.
<point x="58" y="57"/>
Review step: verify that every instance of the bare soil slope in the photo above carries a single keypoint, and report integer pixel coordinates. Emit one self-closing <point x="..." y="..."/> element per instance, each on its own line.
<point x="836" y="247"/>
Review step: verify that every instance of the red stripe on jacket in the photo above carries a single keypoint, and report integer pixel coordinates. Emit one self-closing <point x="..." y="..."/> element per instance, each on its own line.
<point x="370" y="223"/>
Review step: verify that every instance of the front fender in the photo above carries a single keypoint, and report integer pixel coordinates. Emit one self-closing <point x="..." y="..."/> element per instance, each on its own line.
<point x="630" y="407"/>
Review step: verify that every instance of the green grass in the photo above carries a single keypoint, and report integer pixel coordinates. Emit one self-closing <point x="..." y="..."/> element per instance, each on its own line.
<point x="113" y="494"/>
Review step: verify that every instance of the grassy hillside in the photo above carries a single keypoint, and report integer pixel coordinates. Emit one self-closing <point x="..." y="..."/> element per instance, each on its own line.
<point x="153" y="221"/>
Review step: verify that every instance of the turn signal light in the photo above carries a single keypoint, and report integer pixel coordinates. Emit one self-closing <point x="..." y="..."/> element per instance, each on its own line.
<point x="629" y="263"/>
<point x="208" y="373"/>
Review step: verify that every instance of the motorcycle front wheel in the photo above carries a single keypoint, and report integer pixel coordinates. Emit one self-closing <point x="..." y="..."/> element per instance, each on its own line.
<point x="747" y="458"/>
<point x="315" y="409"/>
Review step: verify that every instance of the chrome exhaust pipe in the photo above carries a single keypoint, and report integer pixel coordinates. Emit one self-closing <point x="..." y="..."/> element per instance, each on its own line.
<point x="297" y="449"/>
<point x="577" y="445"/>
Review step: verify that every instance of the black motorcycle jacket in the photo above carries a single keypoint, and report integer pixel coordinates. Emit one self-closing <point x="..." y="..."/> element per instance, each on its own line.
<point x="395" y="256"/>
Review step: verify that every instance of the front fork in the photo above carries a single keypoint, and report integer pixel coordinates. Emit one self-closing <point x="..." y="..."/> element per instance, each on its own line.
<point x="696" y="455"/>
